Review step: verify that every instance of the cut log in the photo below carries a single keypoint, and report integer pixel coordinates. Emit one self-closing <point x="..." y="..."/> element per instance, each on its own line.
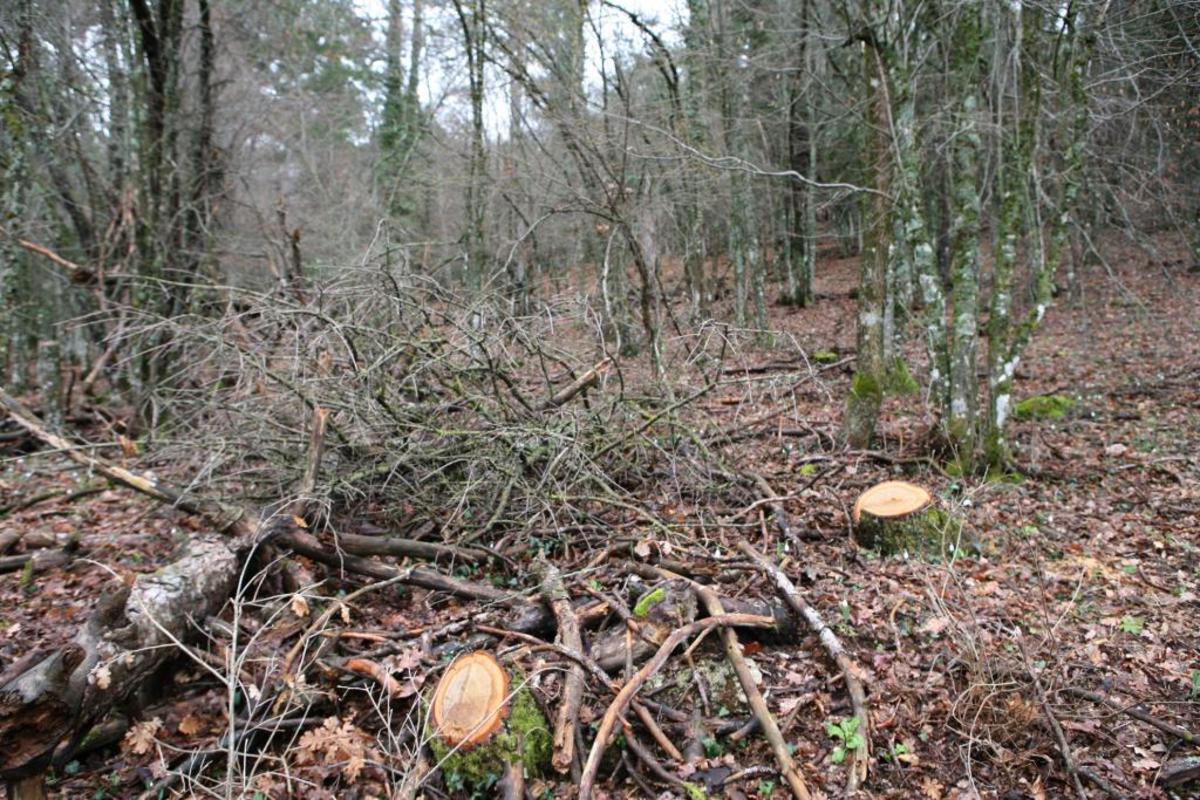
<point x="59" y="695"/>
<point x="485" y="727"/>
<point x="899" y="518"/>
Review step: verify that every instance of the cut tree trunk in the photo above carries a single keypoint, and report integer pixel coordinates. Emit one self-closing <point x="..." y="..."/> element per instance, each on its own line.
<point x="898" y="518"/>
<point x="484" y="730"/>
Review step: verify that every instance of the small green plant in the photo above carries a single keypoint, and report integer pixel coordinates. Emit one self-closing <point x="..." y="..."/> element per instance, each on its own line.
<point x="808" y="470"/>
<point x="712" y="747"/>
<point x="1195" y="685"/>
<point x="848" y="738"/>
<point x="765" y="788"/>
<point x="894" y="754"/>
<point x="1132" y="624"/>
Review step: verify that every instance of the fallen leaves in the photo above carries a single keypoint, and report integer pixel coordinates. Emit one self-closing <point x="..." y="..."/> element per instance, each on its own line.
<point x="141" y="736"/>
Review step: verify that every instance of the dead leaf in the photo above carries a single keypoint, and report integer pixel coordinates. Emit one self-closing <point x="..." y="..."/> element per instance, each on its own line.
<point x="299" y="605"/>
<point x="931" y="788"/>
<point x="935" y="625"/>
<point x="190" y="725"/>
<point x="642" y="549"/>
<point x="140" y="738"/>
<point x="101" y="676"/>
<point x="300" y="523"/>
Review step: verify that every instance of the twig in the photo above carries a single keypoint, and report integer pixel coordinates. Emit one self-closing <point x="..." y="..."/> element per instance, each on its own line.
<point x="584" y="381"/>
<point x="833" y="647"/>
<point x="733" y="651"/>
<point x="1064" y="748"/>
<point x="587" y="779"/>
<point x="1166" y="727"/>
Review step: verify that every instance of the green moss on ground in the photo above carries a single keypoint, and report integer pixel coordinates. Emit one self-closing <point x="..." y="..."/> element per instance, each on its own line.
<point x="1044" y="406"/>
<point x="825" y="357"/>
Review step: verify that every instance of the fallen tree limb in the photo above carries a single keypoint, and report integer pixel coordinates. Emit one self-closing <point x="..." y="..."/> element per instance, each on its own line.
<point x="567" y="718"/>
<point x="223" y="518"/>
<point x="60" y="695"/>
<point x="833" y="647"/>
<point x="587" y="779"/>
<point x="360" y="545"/>
<point x="583" y="382"/>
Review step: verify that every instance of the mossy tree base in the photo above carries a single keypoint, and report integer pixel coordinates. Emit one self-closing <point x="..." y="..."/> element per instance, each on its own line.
<point x="932" y="533"/>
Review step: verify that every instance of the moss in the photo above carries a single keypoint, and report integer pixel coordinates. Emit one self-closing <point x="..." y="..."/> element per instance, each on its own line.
<point x="899" y="380"/>
<point x="825" y="357"/>
<point x="932" y="533"/>
<point x="1044" y="406"/>
<point x="525" y="737"/>
<point x="808" y="470"/>
<point x="866" y="387"/>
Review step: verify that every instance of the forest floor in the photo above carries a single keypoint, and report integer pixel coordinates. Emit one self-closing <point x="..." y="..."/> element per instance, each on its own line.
<point x="1082" y="576"/>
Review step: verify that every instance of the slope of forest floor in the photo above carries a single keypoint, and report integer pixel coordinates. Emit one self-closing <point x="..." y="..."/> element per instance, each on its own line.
<point x="1077" y="594"/>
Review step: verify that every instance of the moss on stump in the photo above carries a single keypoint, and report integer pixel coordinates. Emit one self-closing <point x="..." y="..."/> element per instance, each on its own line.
<point x="899" y="518"/>
<point x="484" y="721"/>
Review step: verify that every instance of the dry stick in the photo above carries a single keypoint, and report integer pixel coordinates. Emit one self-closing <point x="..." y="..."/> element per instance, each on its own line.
<point x="584" y="381"/>
<point x="367" y="668"/>
<point x="77" y="273"/>
<point x="316" y="447"/>
<point x="1064" y="748"/>
<point x="226" y="519"/>
<point x="572" y="695"/>
<point x="833" y="647"/>
<point x="656" y="732"/>
<point x="770" y="728"/>
<point x="1136" y="713"/>
<point x="587" y="780"/>
<point x="646" y="757"/>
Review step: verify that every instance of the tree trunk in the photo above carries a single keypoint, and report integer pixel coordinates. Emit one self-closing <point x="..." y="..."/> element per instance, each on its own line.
<point x="867" y="386"/>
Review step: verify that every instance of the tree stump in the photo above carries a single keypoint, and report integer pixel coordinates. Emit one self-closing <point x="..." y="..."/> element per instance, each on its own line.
<point x="899" y="518"/>
<point x="485" y="730"/>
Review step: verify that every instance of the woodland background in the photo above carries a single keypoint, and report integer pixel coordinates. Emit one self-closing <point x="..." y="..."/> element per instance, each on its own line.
<point x="523" y="285"/>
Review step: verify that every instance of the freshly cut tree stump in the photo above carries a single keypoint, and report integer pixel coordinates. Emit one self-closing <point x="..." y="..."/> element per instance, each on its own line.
<point x="483" y="729"/>
<point x="899" y="518"/>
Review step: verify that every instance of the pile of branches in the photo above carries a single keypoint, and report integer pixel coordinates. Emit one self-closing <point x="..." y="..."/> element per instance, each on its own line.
<point x="51" y="700"/>
<point x="384" y="429"/>
<point x="442" y="418"/>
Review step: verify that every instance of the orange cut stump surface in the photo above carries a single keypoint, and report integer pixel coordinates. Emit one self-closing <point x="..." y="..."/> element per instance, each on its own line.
<point x="470" y="700"/>
<point x="891" y="499"/>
